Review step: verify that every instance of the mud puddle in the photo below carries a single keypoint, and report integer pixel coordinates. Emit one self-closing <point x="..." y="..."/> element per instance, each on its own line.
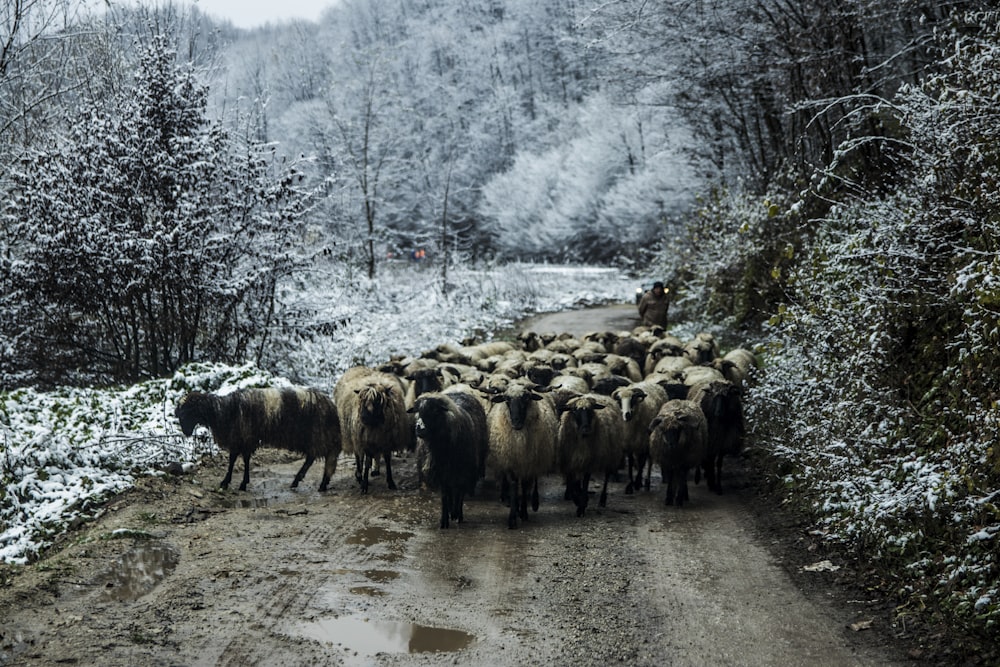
<point x="366" y="637"/>
<point x="137" y="572"/>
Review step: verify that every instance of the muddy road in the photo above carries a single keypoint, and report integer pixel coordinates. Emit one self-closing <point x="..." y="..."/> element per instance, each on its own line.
<point x="177" y="572"/>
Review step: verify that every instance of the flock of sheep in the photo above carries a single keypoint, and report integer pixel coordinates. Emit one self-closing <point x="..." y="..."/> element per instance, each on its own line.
<point x="547" y="404"/>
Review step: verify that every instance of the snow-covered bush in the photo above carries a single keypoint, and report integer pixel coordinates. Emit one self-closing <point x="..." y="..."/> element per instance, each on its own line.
<point x="879" y="404"/>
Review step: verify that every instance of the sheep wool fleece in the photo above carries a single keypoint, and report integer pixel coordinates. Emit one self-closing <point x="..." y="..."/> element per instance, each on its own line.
<point x="653" y="309"/>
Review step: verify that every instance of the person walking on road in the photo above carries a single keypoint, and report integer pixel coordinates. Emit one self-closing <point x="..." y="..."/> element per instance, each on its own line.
<point x="653" y="306"/>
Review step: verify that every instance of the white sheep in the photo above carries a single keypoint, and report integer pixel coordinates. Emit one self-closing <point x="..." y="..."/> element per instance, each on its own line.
<point x="373" y="420"/>
<point x="589" y="441"/>
<point x="522" y="428"/>
<point x="639" y="404"/>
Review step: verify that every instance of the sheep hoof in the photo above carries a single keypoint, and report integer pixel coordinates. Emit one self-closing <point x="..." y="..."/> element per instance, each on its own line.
<point x="629" y="490"/>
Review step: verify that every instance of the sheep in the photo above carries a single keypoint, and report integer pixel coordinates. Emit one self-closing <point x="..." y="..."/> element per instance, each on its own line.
<point x="589" y="440"/>
<point x="702" y="349"/>
<point x="639" y="403"/>
<point x="521" y="444"/>
<point x="569" y="382"/>
<point x="530" y="341"/>
<point x="677" y="442"/>
<point x="607" y="339"/>
<point x="608" y="384"/>
<point x="672" y="383"/>
<point x="422" y="380"/>
<point x="631" y="347"/>
<point x="721" y="403"/>
<point x="373" y="420"/>
<point x="736" y="365"/>
<point x="452" y="429"/>
<point x="670" y="346"/>
<point x="695" y="374"/>
<point x="668" y="364"/>
<point x="298" y="419"/>
<point x="620" y="365"/>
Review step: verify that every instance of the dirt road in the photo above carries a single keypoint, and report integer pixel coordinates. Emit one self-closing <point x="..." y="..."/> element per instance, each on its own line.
<point x="178" y="573"/>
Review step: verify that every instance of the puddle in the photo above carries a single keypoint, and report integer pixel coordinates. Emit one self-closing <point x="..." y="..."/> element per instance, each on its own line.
<point x="385" y="545"/>
<point x="367" y="591"/>
<point x="375" y="535"/>
<point x="381" y="576"/>
<point x="369" y="637"/>
<point x="138" y="571"/>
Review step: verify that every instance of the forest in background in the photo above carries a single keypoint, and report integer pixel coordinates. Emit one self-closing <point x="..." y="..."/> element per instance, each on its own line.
<point x="821" y="175"/>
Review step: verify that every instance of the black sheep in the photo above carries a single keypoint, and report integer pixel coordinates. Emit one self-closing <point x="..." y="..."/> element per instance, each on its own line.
<point x="452" y="427"/>
<point x="294" y="418"/>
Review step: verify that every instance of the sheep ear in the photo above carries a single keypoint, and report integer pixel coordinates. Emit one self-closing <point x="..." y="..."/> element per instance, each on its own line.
<point x="498" y="398"/>
<point x="638" y="394"/>
<point x="653" y="424"/>
<point x="535" y="397"/>
<point x="599" y="406"/>
<point x="410" y="411"/>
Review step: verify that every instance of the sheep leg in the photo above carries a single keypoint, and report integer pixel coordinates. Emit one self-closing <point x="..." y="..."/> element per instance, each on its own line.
<point x="668" y="475"/>
<point x="300" y="475"/>
<point x="583" y="495"/>
<point x="376" y="468"/>
<point x="329" y="469"/>
<point x="629" y="488"/>
<point x="603" y="502"/>
<point x="246" y="471"/>
<point x="364" y="474"/>
<point x="388" y="471"/>
<point x="718" y="474"/>
<point x="512" y="514"/>
<point x="224" y="484"/>
<point x="457" y="497"/>
<point x="681" y="486"/>
<point x="523" y="505"/>
<point x="445" y="505"/>
<point x="359" y="467"/>
<point x="649" y="472"/>
<point x="534" y="496"/>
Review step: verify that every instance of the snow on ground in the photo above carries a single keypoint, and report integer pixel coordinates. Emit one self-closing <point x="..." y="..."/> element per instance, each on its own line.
<point x="62" y="452"/>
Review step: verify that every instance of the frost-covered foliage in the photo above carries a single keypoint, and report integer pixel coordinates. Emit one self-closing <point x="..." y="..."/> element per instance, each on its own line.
<point x="63" y="451"/>
<point x="142" y="238"/>
<point x="879" y="402"/>
<point x="596" y="194"/>
<point x="339" y="324"/>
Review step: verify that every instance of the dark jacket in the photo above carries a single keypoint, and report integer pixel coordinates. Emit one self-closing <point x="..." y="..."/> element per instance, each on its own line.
<point x="653" y="309"/>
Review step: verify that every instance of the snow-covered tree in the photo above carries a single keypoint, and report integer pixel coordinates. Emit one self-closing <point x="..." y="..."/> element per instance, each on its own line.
<point x="144" y="237"/>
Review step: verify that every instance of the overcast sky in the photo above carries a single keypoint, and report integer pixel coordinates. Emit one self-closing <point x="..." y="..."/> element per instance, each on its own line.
<point x="253" y="13"/>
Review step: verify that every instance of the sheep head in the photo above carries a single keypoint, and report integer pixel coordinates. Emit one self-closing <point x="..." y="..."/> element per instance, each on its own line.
<point x="371" y="403"/>
<point x="518" y="399"/>
<point x="582" y="411"/>
<point x="432" y="414"/>
<point x="195" y="408"/>
<point x="628" y="398"/>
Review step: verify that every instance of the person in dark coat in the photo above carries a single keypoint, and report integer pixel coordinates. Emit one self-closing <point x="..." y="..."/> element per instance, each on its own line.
<point x="653" y="306"/>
